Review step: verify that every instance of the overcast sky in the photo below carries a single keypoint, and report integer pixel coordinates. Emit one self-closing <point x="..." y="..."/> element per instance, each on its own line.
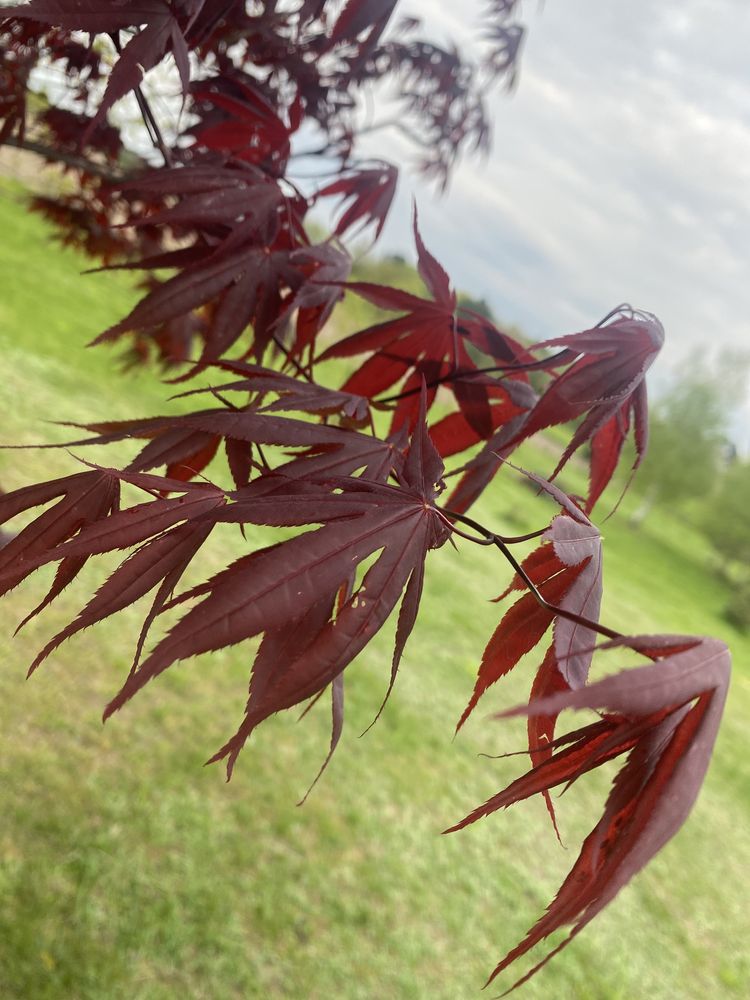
<point x="620" y="171"/>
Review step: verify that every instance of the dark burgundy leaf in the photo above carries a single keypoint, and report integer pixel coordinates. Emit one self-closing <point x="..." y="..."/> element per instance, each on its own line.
<point x="605" y="383"/>
<point x="256" y="202"/>
<point x="482" y="469"/>
<point x="541" y="728"/>
<point x="370" y="193"/>
<point x="261" y="594"/>
<point x="330" y="450"/>
<point x="124" y="528"/>
<point x="453" y="434"/>
<point x="666" y="716"/>
<point x="576" y="542"/>
<point x="84" y="499"/>
<point x="162" y="559"/>
<point x="566" y="570"/>
<point x="428" y="340"/>
<point x="244" y="123"/>
<point x="520" y="630"/>
<point x="88" y="15"/>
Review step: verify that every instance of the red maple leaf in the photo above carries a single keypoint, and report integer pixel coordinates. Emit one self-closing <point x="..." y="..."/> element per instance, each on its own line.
<point x="369" y="191"/>
<point x="297" y="580"/>
<point x="604" y="384"/>
<point x="427" y="343"/>
<point x="566" y="571"/>
<point x="665" y="717"/>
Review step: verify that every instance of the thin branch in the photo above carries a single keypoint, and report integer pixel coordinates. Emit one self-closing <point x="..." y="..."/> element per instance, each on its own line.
<point x="469" y="538"/>
<point x="152" y="125"/>
<point x="468" y="373"/>
<point x="149" y="119"/>
<point x="302" y="372"/>
<point x="490" y="537"/>
<point x="507" y="539"/>
<point x="55" y="155"/>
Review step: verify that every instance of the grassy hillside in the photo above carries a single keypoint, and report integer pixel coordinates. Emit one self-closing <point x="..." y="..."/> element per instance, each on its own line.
<point x="129" y="871"/>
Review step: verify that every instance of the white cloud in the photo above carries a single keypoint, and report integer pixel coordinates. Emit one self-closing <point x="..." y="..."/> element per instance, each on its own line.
<point x="620" y="170"/>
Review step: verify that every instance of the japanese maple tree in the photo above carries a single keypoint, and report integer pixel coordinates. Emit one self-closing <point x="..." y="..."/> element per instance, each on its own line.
<point x="237" y="291"/>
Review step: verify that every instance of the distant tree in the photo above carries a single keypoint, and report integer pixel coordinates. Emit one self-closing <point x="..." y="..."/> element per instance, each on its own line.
<point x="477" y="305"/>
<point x="238" y="290"/>
<point x="725" y="520"/>
<point x="689" y="443"/>
<point x="727" y="516"/>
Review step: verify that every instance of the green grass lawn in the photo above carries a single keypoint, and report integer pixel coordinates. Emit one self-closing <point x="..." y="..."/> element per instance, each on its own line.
<point x="129" y="871"/>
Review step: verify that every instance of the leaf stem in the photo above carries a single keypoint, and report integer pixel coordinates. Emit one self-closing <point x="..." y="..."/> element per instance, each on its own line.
<point x="69" y="159"/>
<point x="468" y="373"/>
<point x="289" y="357"/>
<point x="491" y="535"/>
<point x="152" y="127"/>
<point x="491" y="538"/>
<point x="149" y="119"/>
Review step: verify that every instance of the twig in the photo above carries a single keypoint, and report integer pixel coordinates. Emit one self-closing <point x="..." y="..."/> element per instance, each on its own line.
<point x="491" y="538"/>
<point x="469" y="373"/>
<point x="55" y="155"/>
<point x="149" y="120"/>
<point x="291" y="359"/>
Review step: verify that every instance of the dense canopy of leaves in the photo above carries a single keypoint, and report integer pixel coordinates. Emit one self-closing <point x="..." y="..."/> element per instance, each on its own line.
<point x="236" y="290"/>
